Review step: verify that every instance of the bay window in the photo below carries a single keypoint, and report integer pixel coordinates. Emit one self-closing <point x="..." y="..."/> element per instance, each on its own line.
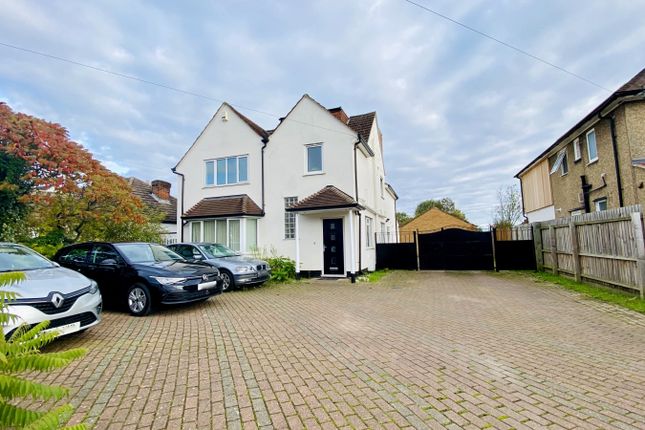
<point x="239" y="234"/>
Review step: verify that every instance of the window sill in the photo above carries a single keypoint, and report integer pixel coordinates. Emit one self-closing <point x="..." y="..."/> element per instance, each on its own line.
<point x="226" y="185"/>
<point x="595" y="160"/>
<point x="313" y="173"/>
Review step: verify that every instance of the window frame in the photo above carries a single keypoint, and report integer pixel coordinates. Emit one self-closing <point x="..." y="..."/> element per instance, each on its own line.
<point x="598" y="202"/>
<point x="577" y="153"/>
<point x="369" y="232"/>
<point x="225" y="163"/>
<point x="564" y="165"/>
<point x="595" y="143"/>
<point x="289" y="219"/>
<point x="322" y="159"/>
<point x="243" y="240"/>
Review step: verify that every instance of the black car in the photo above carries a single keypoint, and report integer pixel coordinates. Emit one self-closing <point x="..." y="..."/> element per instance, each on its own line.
<point x="141" y="275"/>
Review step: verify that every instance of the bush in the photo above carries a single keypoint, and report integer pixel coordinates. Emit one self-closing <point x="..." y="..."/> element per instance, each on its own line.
<point x="282" y="269"/>
<point x="20" y="354"/>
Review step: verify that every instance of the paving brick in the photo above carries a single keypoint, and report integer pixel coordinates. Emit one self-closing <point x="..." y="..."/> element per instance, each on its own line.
<point x="416" y="350"/>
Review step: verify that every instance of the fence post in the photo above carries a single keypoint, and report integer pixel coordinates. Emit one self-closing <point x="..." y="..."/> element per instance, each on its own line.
<point x="575" y="251"/>
<point x="554" y="247"/>
<point x="637" y="224"/>
<point x="416" y="245"/>
<point x="493" y="238"/>
<point x="537" y="243"/>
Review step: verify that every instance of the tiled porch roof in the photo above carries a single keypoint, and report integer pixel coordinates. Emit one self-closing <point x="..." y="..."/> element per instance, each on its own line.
<point x="329" y="197"/>
<point x="224" y="206"/>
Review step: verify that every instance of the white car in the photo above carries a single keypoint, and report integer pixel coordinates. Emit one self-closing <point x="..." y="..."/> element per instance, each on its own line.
<point x="69" y="300"/>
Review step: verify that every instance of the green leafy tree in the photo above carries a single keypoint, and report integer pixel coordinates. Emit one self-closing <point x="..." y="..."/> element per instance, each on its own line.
<point x="446" y="204"/>
<point x="20" y="354"/>
<point x="403" y="218"/>
<point x="12" y="189"/>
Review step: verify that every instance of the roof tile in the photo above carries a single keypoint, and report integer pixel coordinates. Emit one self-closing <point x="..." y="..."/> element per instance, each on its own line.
<point x="327" y="198"/>
<point x="224" y="206"/>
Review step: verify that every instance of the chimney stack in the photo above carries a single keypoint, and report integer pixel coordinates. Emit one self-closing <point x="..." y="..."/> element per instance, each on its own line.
<point x="161" y="189"/>
<point x="339" y="113"/>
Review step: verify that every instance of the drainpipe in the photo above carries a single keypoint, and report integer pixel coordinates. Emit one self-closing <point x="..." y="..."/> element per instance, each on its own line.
<point x="360" y="244"/>
<point x="586" y="188"/>
<point x="181" y="210"/>
<point x="619" y="182"/>
<point x="264" y="145"/>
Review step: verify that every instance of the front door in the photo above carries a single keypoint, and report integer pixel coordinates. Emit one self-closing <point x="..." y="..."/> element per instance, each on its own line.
<point x="333" y="260"/>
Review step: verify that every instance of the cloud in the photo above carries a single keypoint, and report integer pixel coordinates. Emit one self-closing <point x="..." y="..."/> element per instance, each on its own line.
<point x="460" y="114"/>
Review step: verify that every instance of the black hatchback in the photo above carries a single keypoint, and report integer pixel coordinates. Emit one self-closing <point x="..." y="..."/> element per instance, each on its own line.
<point x="141" y="275"/>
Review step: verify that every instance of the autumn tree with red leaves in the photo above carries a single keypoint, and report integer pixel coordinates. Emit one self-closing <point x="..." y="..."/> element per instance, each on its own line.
<point x="73" y="197"/>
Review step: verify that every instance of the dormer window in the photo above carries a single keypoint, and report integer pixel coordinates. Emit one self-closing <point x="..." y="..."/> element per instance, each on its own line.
<point x="314" y="158"/>
<point x="227" y="171"/>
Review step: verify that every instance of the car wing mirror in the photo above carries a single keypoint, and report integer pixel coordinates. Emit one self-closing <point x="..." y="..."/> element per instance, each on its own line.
<point x="109" y="262"/>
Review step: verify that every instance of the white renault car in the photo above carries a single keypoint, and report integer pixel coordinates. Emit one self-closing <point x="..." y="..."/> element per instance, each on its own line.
<point x="69" y="300"/>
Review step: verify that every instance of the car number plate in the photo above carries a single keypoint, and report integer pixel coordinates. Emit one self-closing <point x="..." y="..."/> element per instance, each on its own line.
<point x="65" y="329"/>
<point x="206" y="285"/>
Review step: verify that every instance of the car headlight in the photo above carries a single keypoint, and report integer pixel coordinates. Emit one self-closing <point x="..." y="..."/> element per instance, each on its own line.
<point x="244" y="269"/>
<point x="94" y="288"/>
<point x="168" y="281"/>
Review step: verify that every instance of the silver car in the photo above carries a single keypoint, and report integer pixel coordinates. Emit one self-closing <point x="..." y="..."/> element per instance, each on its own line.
<point x="235" y="270"/>
<point x="69" y="300"/>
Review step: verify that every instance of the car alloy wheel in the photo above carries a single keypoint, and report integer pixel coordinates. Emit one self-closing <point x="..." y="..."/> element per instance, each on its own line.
<point x="139" y="300"/>
<point x="227" y="281"/>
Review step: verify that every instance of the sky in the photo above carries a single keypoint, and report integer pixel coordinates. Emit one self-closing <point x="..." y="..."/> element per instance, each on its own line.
<point x="460" y="114"/>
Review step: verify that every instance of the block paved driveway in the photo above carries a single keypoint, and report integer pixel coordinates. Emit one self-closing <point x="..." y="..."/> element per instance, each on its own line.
<point x="417" y="350"/>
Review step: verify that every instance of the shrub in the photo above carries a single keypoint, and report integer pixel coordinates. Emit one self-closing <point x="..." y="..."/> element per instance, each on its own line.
<point x="282" y="269"/>
<point x="21" y="353"/>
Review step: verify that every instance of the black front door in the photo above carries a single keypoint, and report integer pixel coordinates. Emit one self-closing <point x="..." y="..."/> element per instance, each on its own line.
<point x="334" y="262"/>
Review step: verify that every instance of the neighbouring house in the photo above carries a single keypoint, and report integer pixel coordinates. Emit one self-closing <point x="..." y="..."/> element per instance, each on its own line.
<point x="313" y="189"/>
<point x="156" y="195"/>
<point x="598" y="164"/>
<point x="431" y="220"/>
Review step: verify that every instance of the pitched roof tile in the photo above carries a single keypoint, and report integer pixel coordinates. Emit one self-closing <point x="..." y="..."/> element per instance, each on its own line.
<point x="224" y="206"/>
<point x="143" y="190"/>
<point x="327" y="198"/>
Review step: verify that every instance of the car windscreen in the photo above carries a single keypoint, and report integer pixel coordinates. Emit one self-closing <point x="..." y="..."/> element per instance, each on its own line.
<point x="216" y="250"/>
<point x="18" y="258"/>
<point x="147" y="253"/>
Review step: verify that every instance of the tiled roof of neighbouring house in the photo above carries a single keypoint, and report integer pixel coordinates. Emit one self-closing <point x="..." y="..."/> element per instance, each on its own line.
<point x="328" y="198"/>
<point x="634" y="84"/>
<point x="143" y="190"/>
<point x="436" y="219"/>
<point x="224" y="206"/>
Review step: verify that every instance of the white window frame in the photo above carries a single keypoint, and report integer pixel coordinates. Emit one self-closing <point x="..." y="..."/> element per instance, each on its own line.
<point x="577" y="154"/>
<point x="243" y="232"/>
<point x="215" y="160"/>
<point x="597" y="203"/>
<point x="558" y="161"/>
<point x="322" y="159"/>
<point x="564" y="164"/>
<point x="290" y="219"/>
<point x="369" y="232"/>
<point x="595" y="140"/>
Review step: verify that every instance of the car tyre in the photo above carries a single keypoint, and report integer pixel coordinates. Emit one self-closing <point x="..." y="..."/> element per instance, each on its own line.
<point x="228" y="282"/>
<point x="139" y="300"/>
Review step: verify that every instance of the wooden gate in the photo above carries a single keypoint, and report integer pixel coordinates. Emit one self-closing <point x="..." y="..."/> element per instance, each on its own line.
<point x="456" y="249"/>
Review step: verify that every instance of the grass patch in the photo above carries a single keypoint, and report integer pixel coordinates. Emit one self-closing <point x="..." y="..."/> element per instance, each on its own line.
<point x="596" y="292"/>
<point x="373" y="276"/>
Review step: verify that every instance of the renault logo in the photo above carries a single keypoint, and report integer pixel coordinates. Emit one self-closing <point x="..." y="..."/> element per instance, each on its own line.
<point x="57" y="300"/>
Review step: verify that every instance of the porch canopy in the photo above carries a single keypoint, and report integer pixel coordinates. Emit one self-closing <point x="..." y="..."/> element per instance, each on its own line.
<point x="327" y="199"/>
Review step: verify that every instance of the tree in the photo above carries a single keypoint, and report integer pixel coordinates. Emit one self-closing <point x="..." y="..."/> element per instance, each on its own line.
<point x="12" y="189"/>
<point x="403" y="218"/>
<point x="508" y="211"/>
<point x="73" y="197"/>
<point x="21" y="353"/>
<point x="446" y="204"/>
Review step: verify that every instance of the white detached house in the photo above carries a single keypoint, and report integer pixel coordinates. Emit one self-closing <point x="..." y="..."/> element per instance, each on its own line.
<point x="313" y="189"/>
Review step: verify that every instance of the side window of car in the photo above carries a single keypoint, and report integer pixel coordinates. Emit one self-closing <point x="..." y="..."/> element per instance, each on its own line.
<point x="76" y="255"/>
<point x="185" y="251"/>
<point x="101" y="253"/>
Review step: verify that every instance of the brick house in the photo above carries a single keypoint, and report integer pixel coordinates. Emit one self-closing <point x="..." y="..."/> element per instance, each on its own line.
<point x="597" y="165"/>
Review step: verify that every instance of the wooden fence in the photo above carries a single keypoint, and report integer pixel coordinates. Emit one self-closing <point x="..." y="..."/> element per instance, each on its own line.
<point x="606" y="247"/>
<point x="518" y="232"/>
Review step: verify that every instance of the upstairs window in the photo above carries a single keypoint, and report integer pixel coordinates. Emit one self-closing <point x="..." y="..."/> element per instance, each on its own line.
<point x="560" y="163"/>
<point x="592" y="150"/>
<point x="576" y="150"/>
<point x="314" y="158"/>
<point x="226" y="171"/>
